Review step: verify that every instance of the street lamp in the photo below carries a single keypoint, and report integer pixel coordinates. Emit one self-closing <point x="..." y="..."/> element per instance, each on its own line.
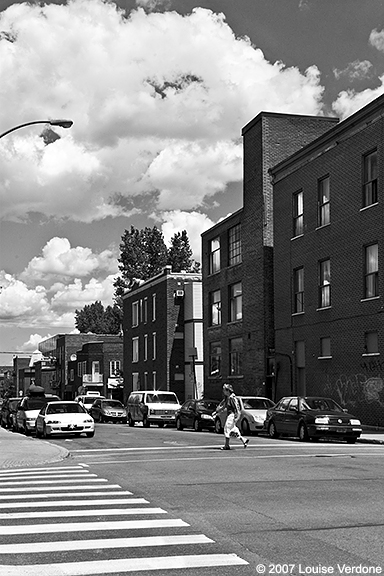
<point x="61" y="123"/>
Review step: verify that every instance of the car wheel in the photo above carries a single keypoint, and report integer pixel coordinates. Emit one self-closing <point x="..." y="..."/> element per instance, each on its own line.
<point x="160" y="424"/>
<point x="38" y="433"/>
<point x="351" y="440"/>
<point x="303" y="432"/>
<point x="179" y="425"/>
<point x="90" y="434"/>
<point x="131" y="422"/>
<point x="218" y="427"/>
<point x="272" y="430"/>
<point x="101" y="418"/>
<point x="146" y="422"/>
<point x="196" y="425"/>
<point x="26" y="431"/>
<point x="245" y="427"/>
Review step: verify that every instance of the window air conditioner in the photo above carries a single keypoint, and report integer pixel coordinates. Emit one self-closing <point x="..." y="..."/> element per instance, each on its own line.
<point x="179" y="293"/>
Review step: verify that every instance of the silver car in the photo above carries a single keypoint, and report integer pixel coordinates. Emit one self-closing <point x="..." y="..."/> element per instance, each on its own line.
<point x="252" y="416"/>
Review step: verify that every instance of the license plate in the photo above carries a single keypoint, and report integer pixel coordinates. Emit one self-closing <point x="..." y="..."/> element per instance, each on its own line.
<point x="341" y="430"/>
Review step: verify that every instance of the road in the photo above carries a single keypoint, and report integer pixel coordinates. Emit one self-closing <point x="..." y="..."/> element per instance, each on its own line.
<point x="277" y="507"/>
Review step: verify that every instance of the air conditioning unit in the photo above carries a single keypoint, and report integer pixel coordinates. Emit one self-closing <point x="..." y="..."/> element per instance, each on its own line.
<point x="179" y="293"/>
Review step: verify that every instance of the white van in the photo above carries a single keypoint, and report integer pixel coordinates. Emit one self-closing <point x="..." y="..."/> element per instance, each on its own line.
<point x="152" y="407"/>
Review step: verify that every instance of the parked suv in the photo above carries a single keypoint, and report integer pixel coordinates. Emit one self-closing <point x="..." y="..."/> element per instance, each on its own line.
<point x="152" y="407"/>
<point x="28" y="410"/>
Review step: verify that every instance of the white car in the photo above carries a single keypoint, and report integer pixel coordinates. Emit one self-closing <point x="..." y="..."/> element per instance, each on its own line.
<point x="253" y="413"/>
<point x="87" y="400"/>
<point x="66" y="417"/>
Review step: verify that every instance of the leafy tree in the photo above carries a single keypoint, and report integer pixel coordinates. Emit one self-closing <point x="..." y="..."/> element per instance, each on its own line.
<point x="180" y="254"/>
<point x="94" y="318"/>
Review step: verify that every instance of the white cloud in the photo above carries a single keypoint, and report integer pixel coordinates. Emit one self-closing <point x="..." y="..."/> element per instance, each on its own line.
<point x="349" y="101"/>
<point x="357" y="70"/>
<point x="139" y="89"/>
<point x="376" y="39"/>
<point x="195" y="223"/>
<point x="59" y="260"/>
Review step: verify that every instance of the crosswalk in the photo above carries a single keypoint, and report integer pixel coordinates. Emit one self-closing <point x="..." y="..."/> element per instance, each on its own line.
<point x="69" y="522"/>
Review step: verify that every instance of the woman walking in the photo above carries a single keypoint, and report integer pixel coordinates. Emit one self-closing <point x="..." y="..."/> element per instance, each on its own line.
<point x="233" y="414"/>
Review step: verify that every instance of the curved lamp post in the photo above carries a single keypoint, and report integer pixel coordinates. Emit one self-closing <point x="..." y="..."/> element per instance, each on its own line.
<point x="62" y="123"/>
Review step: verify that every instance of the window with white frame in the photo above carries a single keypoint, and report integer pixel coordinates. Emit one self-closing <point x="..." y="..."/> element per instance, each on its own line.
<point x="298" y="213"/>
<point x="236" y="356"/>
<point x="371" y="276"/>
<point x="324" y="199"/>
<point x="145" y="319"/>
<point x="235" y="302"/>
<point x="153" y="307"/>
<point x="135" y="349"/>
<point x="324" y="283"/>
<point x="215" y="308"/>
<point x="298" y="290"/>
<point x="135" y="313"/>
<point x="114" y="368"/>
<point x="371" y="345"/>
<point x="145" y="380"/>
<point x="370" y="179"/>
<point x="234" y="245"/>
<point x="145" y="347"/>
<point x="215" y="359"/>
<point x="154" y="346"/>
<point x="154" y="380"/>
<point x="214" y="256"/>
<point x="325" y="347"/>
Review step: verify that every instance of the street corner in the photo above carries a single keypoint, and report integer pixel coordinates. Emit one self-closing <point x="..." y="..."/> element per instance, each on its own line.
<point x="17" y="451"/>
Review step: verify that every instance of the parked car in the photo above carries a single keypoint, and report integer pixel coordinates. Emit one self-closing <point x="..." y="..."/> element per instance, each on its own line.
<point x="104" y="410"/>
<point x="196" y="414"/>
<point x="8" y="413"/>
<point x="311" y="418"/>
<point x="27" y="411"/>
<point x="252" y="416"/>
<point x="64" y="417"/>
<point x="152" y="407"/>
<point x="86" y="400"/>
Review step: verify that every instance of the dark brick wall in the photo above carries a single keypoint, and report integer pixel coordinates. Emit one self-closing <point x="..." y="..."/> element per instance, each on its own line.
<point x="348" y="376"/>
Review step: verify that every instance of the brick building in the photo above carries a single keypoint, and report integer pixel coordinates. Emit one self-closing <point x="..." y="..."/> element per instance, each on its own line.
<point x="237" y="261"/>
<point x="162" y="325"/>
<point x="329" y="263"/>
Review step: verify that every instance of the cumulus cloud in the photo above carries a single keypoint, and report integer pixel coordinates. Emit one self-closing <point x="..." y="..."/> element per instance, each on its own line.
<point x="195" y="223"/>
<point x="349" y="101"/>
<point x="152" y="95"/>
<point x="60" y="260"/>
<point x="376" y="39"/>
<point x="357" y="70"/>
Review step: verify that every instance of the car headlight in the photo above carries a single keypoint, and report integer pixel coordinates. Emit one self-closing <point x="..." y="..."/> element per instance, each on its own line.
<point x="206" y="417"/>
<point x="258" y="419"/>
<point x="53" y="422"/>
<point x="88" y="421"/>
<point x="355" y="422"/>
<point x="322" y="420"/>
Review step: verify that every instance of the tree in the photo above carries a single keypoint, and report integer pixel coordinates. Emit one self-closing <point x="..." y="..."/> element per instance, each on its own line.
<point x="180" y="254"/>
<point x="94" y="318"/>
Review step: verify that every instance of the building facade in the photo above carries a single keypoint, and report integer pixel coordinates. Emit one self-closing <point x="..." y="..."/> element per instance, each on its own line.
<point x="237" y="262"/>
<point x="163" y="335"/>
<point x="329" y="266"/>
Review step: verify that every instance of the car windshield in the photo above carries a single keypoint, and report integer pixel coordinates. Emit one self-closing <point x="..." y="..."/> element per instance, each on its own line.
<point x="257" y="403"/>
<point x="112" y="404"/>
<point x="323" y="404"/>
<point x="34" y="403"/>
<point x="162" y="398"/>
<point x="59" y="408"/>
<point x="207" y="404"/>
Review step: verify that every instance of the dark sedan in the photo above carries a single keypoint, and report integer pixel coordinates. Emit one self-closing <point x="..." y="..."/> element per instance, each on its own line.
<point x="311" y="418"/>
<point x="196" y="414"/>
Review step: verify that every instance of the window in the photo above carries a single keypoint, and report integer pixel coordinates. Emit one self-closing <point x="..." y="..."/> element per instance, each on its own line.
<point x="135" y="349"/>
<point x="370" y="179"/>
<point x="114" y="368"/>
<point x="145" y="380"/>
<point x="153" y="307"/>
<point x="298" y="213"/>
<point x="214" y="256"/>
<point x="325" y="347"/>
<point x="135" y="313"/>
<point x="145" y="310"/>
<point x="371" y="343"/>
<point x="145" y="347"/>
<point x="84" y="367"/>
<point x="298" y="289"/>
<point x="154" y="380"/>
<point x="234" y="245"/>
<point x="215" y="359"/>
<point x="236" y="356"/>
<point x="324" y="284"/>
<point x="371" y="286"/>
<point x="154" y="346"/>
<point x="215" y="307"/>
<point x="323" y="201"/>
<point x="235" y="302"/>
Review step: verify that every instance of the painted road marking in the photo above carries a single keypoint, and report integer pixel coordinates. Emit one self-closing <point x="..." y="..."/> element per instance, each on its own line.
<point x="68" y="503"/>
<point x="124" y="566"/>
<point x="56" y="476"/>
<point x="29" y="483"/>
<point x="73" y="495"/>
<point x="79" y="513"/>
<point x="89" y="526"/>
<point x="59" y="488"/>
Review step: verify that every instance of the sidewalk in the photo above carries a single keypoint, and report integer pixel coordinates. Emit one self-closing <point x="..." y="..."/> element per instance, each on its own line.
<point x="17" y="450"/>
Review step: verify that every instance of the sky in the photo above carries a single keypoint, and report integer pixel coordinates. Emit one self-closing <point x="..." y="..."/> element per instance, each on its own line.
<point x="158" y="92"/>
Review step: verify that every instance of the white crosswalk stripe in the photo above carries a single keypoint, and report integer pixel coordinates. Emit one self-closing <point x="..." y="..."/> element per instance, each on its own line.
<point x="27" y="497"/>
